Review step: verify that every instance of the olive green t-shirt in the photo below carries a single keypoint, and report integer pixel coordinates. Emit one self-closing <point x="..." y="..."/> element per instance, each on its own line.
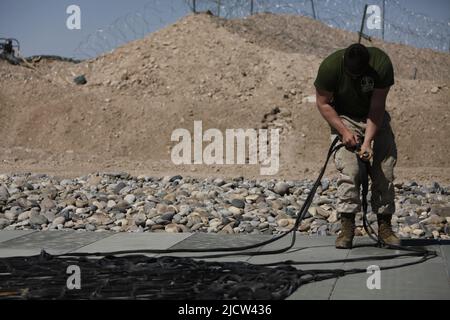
<point x="351" y="97"/>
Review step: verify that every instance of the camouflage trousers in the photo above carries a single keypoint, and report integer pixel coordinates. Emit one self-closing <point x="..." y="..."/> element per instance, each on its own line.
<point x="381" y="170"/>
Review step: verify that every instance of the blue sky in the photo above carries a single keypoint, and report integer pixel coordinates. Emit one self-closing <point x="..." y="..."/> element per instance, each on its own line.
<point x="41" y="28"/>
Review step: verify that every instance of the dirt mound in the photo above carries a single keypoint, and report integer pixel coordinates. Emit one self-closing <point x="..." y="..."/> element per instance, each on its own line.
<point x="204" y="68"/>
<point x="297" y="34"/>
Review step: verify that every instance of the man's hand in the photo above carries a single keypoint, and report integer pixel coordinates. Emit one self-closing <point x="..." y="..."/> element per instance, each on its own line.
<point x="365" y="153"/>
<point x="349" y="139"/>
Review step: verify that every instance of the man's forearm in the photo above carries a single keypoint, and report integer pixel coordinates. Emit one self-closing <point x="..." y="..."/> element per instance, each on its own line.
<point x="374" y="121"/>
<point x="331" y="116"/>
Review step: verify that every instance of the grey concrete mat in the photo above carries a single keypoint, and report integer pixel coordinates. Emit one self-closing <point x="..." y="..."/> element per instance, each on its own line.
<point x="6" y="235"/>
<point x="135" y="241"/>
<point x="206" y="240"/>
<point x="52" y="241"/>
<point x="427" y="280"/>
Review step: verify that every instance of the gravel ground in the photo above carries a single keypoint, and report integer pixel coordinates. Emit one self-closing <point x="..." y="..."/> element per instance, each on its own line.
<point x="121" y="202"/>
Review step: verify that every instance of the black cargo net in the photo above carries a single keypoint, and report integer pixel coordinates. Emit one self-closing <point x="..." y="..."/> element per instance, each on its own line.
<point x="143" y="277"/>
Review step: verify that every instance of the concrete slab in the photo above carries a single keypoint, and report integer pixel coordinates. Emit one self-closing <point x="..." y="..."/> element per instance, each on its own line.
<point x="427" y="280"/>
<point x="307" y="248"/>
<point x="6" y="235"/>
<point x="135" y="241"/>
<point x="205" y="241"/>
<point x="445" y="250"/>
<point x="212" y="240"/>
<point x="320" y="290"/>
<point x="54" y="242"/>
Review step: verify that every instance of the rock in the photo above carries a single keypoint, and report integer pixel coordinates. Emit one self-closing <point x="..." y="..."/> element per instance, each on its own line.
<point x="121" y="222"/>
<point x="24" y="216"/>
<point x="335" y="228"/>
<point x="219" y="182"/>
<point x="11" y="215"/>
<point x="252" y="198"/>
<point x="283" y="222"/>
<point x="167" y="216"/>
<point x="276" y="204"/>
<point x="228" y="229"/>
<point x="50" y="215"/>
<point x="99" y="219"/>
<point x="69" y="224"/>
<point x="406" y="229"/>
<point x="94" y="180"/>
<point x="411" y="220"/>
<point x="238" y="203"/>
<point x="435" y="187"/>
<point x="4" y="194"/>
<point x="325" y="184"/>
<point x="81" y="203"/>
<point x="47" y="204"/>
<point x="435" y="234"/>
<point x="130" y="198"/>
<point x="59" y="220"/>
<point x="119" y="186"/>
<point x="434" y="90"/>
<point x="90" y="227"/>
<point x="304" y="226"/>
<point x="442" y="211"/>
<point x="309" y="99"/>
<point x="80" y="80"/>
<point x="415" y="201"/>
<point x="215" y="222"/>
<point x="281" y="188"/>
<point x="418" y="232"/>
<point x="4" y="223"/>
<point x="434" y="219"/>
<point x="122" y="206"/>
<point x="38" y="220"/>
<point x="322" y="212"/>
<point x="263" y="225"/>
<point x="174" y="178"/>
<point x="170" y="197"/>
<point x="111" y="204"/>
<point x="234" y="210"/>
<point x="358" y="231"/>
<point x="332" y="218"/>
<point x="171" y="227"/>
<point x="140" y="219"/>
<point x="312" y="211"/>
<point x="197" y="226"/>
<point x="322" y="231"/>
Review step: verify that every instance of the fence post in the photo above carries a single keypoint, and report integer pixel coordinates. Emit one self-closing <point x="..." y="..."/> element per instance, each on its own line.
<point x="313" y="10"/>
<point x="383" y="15"/>
<point x="251" y="7"/>
<point x="218" y="8"/>
<point x="362" y="24"/>
<point x="193" y="6"/>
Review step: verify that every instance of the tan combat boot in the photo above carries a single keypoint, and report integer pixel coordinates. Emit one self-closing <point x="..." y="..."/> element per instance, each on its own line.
<point x="345" y="238"/>
<point x="385" y="230"/>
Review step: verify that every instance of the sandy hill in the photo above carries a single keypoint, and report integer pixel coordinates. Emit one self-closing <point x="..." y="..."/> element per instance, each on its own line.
<point x="250" y="73"/>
